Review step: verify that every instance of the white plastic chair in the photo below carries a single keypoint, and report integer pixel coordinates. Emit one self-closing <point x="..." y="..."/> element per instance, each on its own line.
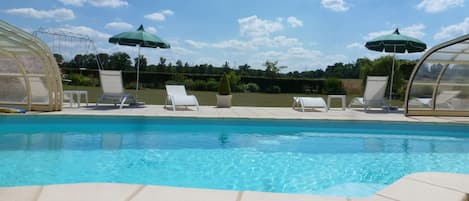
<point x="113" y="89"/>
<point x="374" y="93"/>
<point x="177" y="96"/>
<point x="312" y="102"/>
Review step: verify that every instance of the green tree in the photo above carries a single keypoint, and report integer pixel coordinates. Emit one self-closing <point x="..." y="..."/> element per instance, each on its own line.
<point x="226" y="67"/>
<point x="120" y="61"/>
<point x="59" y="59"/>
<point x="271" y="68"/>
<point x="104" y="59"/>
<point x="142" y="63"/>
<point x="383" y="67"/>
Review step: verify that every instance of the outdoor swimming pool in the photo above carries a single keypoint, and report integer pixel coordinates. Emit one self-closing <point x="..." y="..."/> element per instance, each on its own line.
<point x="342" y="158"/>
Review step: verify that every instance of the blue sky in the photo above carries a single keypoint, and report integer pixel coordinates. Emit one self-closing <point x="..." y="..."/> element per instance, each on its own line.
<point x="300" y="34"/>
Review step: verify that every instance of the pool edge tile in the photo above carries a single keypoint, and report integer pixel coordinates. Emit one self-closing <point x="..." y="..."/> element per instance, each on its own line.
<point x="265" y="196"/>
<point x="88" y="191"/>
<point x="409" y="190"/>
<point x="167" y="193"/>
<point x="20" y="193"/>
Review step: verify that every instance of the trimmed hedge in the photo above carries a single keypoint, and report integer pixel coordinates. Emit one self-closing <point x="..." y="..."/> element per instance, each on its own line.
<point x="158" y="80"/>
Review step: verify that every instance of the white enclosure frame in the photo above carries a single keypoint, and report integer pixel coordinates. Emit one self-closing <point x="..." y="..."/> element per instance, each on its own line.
<point x="29" y="75"/>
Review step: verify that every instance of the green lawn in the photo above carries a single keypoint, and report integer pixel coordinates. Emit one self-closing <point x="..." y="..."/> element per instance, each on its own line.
<point x="157" y="96"/>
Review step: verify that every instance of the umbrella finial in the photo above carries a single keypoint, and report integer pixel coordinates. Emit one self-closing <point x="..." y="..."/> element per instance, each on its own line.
<point x="396" y="31"/>
<point x="140" y="28"/>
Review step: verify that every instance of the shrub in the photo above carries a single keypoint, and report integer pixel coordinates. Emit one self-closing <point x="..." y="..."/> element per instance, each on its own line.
<point x="200" y="85"/>
<point x="173" y="82"/>
<point x="82" y="80"/>
<point x="224" y="87"/>
<point x="238" y="88"/>
<point x="212" y="84"/>
<point x="334" y="86"/>
<point x="190" y="84"/>
<point x="274" y="89"/>
<point x="133" y="85"/>
<point x="252" y="87"/>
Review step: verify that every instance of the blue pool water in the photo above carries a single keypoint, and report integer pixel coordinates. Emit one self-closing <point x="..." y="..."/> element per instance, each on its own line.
<point x="342" y="158"/>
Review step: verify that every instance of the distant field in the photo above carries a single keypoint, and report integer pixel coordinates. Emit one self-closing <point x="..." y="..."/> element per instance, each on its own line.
<point x="157" y="97"/>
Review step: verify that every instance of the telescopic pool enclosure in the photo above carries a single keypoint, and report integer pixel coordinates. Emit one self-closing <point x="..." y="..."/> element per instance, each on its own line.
<point x="439" y="84"/>
<point x="29" y="75"/>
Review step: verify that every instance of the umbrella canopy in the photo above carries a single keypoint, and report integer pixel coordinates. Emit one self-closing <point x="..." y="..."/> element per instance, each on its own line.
<point x="395" y="43"/>
<point x="139" y="38"/>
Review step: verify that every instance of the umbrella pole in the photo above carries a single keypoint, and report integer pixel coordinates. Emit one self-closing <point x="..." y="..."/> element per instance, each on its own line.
<point x="392" y="75"/>
<point x="138" y="72"/>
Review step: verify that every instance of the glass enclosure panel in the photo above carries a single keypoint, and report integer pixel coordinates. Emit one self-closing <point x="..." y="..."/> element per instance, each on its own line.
<point x="8" y="65"/>
<point x="39" y="91"/>
<point x="421" y="96"/>
<point x="453" y="97"/>
<point x="442" y="56"/>
<point x="32" y="64"/>
<point x="12" y="89"/>
<point x="428" y="73"/>
<point x="456" y="73"/>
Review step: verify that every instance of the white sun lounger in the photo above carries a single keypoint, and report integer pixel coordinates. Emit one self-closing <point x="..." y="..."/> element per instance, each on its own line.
<point x="177" y="96"/>
<point x="113" y="89"/>
<point x="309" y="102"/>
<point x="444" y="98"/>
<point x="374" y="93"/>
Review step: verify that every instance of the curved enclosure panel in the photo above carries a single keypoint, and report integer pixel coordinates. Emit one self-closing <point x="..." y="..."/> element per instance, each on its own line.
<point x="439" y="84"/>
<point x="29" y="75"/>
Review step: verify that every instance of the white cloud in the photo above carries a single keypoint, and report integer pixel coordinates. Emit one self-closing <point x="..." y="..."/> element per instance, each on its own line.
<point x="167" y="12"/>
<point x="296" y="58"/>
<point x="108" y="3"/>
<point x="197" y="44"/>
<point x="83" y="30"/>
<point x="252" y="44"/>
<point x="415" y="31"/>
<point x="96" y="3"/>
<point x="335" y="5"/>
<point x="151" y="30"/>
<point x="355" y="46"/>
<point x="234" y="44"/>
<point x="453" y="31"/>
<point x="435" y="6"/>
<point x="118" y="25"/>
<point x="73" y="2"/>
<point x="60" y="14"/>
<point x="155" y="16"/>
<point x="294" y="22"/>
<point x="254" y="27"/>
<point x="159" y="16"/>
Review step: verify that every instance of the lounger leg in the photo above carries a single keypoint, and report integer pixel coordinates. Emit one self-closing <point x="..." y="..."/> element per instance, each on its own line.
<point x="122" y="102"/>
<point x="196" y="103"/>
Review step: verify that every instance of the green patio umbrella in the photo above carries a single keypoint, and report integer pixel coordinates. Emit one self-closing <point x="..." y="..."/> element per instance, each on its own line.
<point x="139" y="38"/>
<point x="395" y="43"/>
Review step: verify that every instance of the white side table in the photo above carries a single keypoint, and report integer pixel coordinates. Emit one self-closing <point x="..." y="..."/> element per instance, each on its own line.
<point x="342" y="97"/>
<point x="71" y="93"/>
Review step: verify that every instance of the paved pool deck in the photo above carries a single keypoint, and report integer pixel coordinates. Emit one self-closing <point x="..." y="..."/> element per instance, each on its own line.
<point x="428" y="186"/>
<point x="254" y="112"/>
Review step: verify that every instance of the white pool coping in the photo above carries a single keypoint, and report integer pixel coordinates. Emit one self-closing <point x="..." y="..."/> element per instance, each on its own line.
<point x="255" y="112"/>
<point x="429" y="186"/>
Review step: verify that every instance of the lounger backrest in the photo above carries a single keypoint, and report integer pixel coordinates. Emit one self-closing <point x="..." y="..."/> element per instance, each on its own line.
<point x="375" y="88"/>
<point x="111" y="81"/>
<point x="176" y="90"/>
<point x="446" y="96"/>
